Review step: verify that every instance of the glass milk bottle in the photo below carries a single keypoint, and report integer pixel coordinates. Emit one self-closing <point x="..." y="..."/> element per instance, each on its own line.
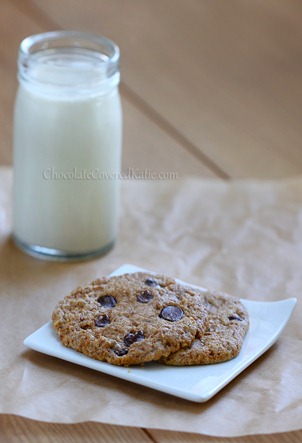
<point x="67" y="146"/>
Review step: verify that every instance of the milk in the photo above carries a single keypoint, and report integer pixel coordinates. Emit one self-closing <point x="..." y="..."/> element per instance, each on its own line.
<point x="67" y="153"/>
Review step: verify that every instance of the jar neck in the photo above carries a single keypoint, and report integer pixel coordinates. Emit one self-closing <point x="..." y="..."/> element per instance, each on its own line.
<point x="68" y="63"/>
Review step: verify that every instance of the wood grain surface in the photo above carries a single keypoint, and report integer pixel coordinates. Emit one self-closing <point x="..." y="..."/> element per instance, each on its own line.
<point x="209" y="88"/>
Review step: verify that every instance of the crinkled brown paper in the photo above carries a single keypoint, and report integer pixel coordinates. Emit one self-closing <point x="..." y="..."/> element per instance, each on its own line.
<point x="244" y="237"/>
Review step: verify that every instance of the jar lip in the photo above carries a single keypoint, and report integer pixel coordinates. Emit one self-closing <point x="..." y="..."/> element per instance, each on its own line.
<point x="69" y="60"/>
<point x="29" y="43"/>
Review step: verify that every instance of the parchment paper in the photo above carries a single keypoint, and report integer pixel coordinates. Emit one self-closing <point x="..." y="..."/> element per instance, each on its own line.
<point x="244" y="237"/>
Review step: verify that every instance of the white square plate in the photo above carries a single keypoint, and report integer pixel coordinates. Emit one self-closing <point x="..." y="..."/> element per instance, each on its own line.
<point x="195" y="383"/>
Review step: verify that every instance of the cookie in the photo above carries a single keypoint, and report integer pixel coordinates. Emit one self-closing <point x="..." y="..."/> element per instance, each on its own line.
<point x="130" y="319"/>
<point x="228" y="323"/>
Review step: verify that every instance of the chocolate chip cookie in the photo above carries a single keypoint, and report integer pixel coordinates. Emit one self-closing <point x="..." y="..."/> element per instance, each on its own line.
<point x="228" y="323"/>
<point x="130" y="319"/>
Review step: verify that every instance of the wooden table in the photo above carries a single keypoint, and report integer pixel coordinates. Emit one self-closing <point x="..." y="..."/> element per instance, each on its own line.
<point x="210" y="88"/>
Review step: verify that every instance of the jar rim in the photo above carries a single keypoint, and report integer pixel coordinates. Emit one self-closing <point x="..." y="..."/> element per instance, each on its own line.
<point x="68" y="49"/>
<point x="29" y="43"/>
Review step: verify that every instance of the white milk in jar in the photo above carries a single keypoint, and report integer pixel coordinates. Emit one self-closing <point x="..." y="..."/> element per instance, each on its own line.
<point x="67" y="146"/>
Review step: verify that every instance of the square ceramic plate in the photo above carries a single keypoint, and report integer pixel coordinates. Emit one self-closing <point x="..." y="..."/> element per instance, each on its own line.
<point x="195" y="383"/>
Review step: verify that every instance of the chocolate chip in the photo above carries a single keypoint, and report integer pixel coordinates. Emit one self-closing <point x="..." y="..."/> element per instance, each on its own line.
<point x="133" y="337"/>
<point x="172" y="313"/>
<point x="235" y="317"/>
<point x="107" y="301"/>
<point x="150" y="282"/>
<point x="145" y="297"/>
<point x="102" y="320"/>
<point x="120" y="352"/>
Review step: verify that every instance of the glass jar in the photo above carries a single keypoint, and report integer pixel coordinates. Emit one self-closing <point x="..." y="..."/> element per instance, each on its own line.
<point x="67" y="145"/>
